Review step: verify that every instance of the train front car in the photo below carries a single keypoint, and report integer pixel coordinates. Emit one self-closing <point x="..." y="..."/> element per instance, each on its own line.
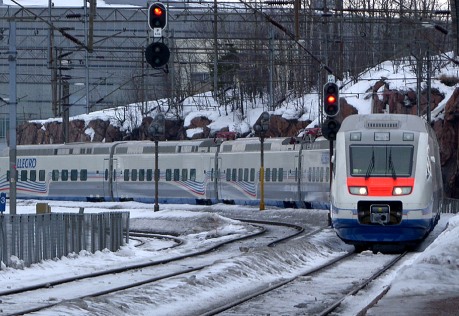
<point x="387" y="183"/>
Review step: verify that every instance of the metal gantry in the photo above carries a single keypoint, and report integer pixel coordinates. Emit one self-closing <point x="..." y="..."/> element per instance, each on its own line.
<point x="291" y="42"/>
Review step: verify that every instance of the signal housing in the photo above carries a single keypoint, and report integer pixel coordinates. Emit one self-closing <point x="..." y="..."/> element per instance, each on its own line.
<point x="331" y="99"/>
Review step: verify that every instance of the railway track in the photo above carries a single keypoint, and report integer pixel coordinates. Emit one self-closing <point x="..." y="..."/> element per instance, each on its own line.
<point x="41" y="296"/>
<point x="323" y="290"/>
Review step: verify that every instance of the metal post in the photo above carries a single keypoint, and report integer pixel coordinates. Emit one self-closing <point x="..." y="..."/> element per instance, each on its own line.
<point x="156" y="130"/>
<point x="262" y="175"/>
<point x="66" y="110"/>
<point x="331" y="163"/>
<point x="86" y="55"/>
<point x="429" y="84"/>
<point x="13" y="114"/>
<point x="261" y="127"/>
<point x="156" y="209"/>
<point x="331" y="179"/>
<point x="418" y="84"/>
<point x="215" y="50"/>
<point x="297" y="6"/>
<point x="271" y="71"/>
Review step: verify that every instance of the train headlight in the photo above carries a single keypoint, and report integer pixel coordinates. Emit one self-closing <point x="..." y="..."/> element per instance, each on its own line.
<point x="401" y="190"/>
<point x="358" y="190"/>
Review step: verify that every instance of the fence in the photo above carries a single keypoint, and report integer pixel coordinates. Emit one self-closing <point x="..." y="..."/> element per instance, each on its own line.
<point x="35" y="237"/>
<point x="450" y="205"/>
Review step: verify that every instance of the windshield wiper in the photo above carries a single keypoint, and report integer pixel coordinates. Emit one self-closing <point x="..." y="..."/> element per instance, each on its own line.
<point x="391" y="166"/>
<point x="371" y="165"/>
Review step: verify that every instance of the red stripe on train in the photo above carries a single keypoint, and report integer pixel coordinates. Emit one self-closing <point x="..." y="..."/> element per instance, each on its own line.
<point x="380" y="186"/>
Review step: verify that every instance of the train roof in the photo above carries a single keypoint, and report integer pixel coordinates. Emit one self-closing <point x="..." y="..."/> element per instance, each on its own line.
<point x="270" y="144"/>
<point x="179" y="146"/>
<point x="120" y="147"/>
<point x="383" y="121"/>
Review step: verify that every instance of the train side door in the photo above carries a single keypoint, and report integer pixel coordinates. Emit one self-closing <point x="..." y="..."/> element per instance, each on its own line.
<point x="110" y="179"/>
<point x="298" y="166"/>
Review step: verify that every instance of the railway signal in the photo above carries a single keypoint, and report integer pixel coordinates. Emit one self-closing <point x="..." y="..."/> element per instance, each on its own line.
<point x="330" y="128"/>
<point x="262" y="125"/>
<point x="158" y="126"/>
<point x="157" y="16"/>
<point x="157" y="54"/>
<point x="260" y="128"/>
<point x="331" y="99"/>
<point x="157" y="129"/>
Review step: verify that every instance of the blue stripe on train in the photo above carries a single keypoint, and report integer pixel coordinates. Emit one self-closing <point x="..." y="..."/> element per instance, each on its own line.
<point x="408" y="230"/>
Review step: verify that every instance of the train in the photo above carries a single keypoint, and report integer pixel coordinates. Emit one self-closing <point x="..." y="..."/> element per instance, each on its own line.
<point x="386" y="186"/>
<point x="206" y="171"/>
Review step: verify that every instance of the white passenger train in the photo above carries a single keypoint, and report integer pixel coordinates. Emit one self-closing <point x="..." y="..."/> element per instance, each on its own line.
<point x="193" y="172"/>
<point x="387" y="183"/>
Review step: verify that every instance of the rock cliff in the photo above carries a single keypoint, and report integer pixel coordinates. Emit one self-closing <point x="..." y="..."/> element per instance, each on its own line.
<point x="395" y="101"/>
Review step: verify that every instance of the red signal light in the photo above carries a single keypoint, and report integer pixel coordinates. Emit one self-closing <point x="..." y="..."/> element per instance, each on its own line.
<point x="157" y="11"/>
<point x="331" y="99"/>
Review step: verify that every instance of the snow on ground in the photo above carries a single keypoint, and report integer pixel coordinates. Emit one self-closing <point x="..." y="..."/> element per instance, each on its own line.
<point x="436" y="270"/>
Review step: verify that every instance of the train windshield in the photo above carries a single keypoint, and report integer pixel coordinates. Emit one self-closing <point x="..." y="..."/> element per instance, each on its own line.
<point x="381" y="161"/>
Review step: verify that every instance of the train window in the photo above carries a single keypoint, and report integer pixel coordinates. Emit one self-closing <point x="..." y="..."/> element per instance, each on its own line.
<point x="33" y="175"/>
<point x="317" y="173"/>
<point x="268" y="174"/>
<point x="212" y="174"/>
<point x="193" y="174"/>
<point x="274" y="174"/>
<point x="126" y="175"/>
<point x="73" y="175"/>
<point x="310" y="174"/>
<point x="55" y="175"/>
<point x="65" y="175"/>
<point x="280" y="175"/>
<point x="168" y="174"/>
<point x="246" y="174"/>
<point x="134" y="175"/>
<point x="228" y="174"/>
<point x="150" y="174"/>
<point x="141" y="174"/>
<point x="23" y="175"/>
<point x="234" y="174"/>
<point x="321" y="174"/>
<point x="83" y="174"/>
<point x="252" y="174"/>
<point x="176" y="174"/>
<point x="239" y="174"/>
<point x="381" y="160"/>
<point x="184" y="174"/>
<point x="106" y="175"/>
<point x="327" y="174"/>
<point x="41" y="175"/>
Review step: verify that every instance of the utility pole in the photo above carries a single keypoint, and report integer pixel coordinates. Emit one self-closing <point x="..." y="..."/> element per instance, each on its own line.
<point x="215" y="51"/>
<point x="297" y="7"/>
<point x="12" y="55"/>
<point x="271" y="70"/>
